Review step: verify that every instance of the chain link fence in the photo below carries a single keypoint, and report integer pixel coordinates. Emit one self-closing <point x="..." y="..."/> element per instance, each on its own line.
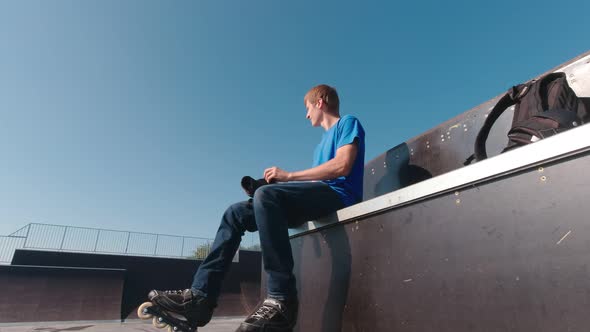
<point x="105" y="241"/>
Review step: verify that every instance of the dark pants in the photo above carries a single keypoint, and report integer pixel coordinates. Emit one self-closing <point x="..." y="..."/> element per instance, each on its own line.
<point x="274" y="209"/>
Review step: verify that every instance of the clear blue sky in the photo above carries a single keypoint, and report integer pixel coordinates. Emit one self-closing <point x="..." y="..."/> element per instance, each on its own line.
<point x="144" y="115"/>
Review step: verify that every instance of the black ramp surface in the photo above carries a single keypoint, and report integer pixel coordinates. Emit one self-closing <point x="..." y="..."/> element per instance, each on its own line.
<point x="508" y="255"/>
<point x="240" y="292"/>
<point x="37" y="294"/>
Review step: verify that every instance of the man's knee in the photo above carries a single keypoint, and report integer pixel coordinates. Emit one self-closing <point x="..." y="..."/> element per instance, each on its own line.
<point x="238" y="216"/>
<point x="237" y="207"/>
<point x="266" y="193"/>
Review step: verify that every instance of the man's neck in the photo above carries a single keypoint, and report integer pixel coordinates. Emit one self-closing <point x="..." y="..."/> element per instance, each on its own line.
<point x="329" y="120"/>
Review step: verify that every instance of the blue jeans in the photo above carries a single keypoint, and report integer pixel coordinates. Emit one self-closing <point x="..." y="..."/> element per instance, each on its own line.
<point x="274" y="209"/>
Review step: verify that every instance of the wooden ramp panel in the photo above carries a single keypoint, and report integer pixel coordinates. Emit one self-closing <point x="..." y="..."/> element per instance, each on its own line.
<point x="508" y="254"/>
<point x="38" y="294"/>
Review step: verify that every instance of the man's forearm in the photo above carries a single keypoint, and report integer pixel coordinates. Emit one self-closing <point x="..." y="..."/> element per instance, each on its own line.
<point x="329" y="170"/>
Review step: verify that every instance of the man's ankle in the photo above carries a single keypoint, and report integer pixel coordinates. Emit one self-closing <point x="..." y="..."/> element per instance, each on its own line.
<point x="198" y="292"/>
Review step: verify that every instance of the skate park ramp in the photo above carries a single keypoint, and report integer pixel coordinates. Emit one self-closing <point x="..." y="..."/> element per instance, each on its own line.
<point x="437" y="245"/>
<point x="45" y="293"/>
<point x="240" y="292"/>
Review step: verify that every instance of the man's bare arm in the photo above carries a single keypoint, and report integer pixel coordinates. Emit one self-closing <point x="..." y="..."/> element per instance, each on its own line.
<point x="340" y="165"/>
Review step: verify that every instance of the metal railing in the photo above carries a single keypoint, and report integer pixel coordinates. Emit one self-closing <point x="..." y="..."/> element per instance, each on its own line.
<point x="82" y="239"/>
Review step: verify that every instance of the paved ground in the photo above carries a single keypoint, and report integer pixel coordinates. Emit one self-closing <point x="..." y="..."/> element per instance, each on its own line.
<point x="216" y="325"/>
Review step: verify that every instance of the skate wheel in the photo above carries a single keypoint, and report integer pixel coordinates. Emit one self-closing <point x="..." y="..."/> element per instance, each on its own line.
<point x="171" y="329"/>
<point x="159" y="324"/>
<point x="141" y="311"/>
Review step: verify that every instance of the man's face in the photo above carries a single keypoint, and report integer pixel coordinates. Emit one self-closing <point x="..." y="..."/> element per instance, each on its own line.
<point x="314" y="113"/>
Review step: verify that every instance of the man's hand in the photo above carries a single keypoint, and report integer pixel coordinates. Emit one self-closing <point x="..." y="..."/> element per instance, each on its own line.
<point x="275" y="174"/>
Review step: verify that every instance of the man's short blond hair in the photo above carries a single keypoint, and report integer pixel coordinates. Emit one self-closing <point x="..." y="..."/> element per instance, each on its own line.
<point x="325" y="92"/>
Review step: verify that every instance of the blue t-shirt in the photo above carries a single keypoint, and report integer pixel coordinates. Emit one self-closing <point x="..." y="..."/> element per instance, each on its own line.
<point x="345" y="131"/>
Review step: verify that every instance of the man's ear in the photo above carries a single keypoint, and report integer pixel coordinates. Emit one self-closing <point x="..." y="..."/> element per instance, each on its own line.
<point x="321" y="103"/>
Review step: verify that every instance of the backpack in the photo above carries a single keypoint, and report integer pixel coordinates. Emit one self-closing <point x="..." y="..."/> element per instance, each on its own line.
<point x="544" y="107"/>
